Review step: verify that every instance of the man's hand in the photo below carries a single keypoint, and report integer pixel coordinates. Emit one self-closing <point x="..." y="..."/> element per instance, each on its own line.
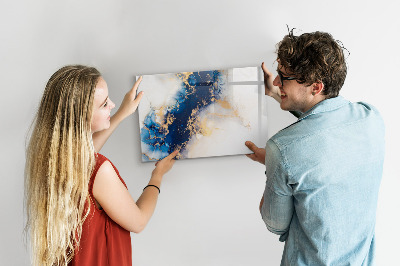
<point x="270" y="89"/>
<point x="258" y="155"/>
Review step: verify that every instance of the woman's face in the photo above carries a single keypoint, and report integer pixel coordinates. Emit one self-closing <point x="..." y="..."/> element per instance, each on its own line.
<point x="102" y="106"/>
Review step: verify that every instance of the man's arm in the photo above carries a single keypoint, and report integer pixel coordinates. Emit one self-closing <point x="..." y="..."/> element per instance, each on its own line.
<point x="128" y="107"/>
<point x="274" y="91"/>
<point x="276" y="211"/>
<point x="261" y="203"/>
<point x="276" y="206"/>
<point x="270" y="89"/>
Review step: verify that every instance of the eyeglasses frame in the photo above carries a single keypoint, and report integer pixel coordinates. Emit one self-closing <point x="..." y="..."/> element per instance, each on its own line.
<point x="282" y="78"/>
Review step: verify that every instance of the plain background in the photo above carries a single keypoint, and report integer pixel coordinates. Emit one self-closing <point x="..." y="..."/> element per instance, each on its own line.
<point x="208" y="208"/>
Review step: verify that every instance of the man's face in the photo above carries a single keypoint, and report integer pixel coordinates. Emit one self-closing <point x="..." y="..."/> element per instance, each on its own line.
<point x="294" y="96"/>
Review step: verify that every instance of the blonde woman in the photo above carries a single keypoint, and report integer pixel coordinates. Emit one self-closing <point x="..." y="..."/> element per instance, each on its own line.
<point x="78" y="207"/>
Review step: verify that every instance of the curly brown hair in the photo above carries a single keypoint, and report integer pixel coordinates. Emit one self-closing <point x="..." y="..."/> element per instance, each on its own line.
<point x="314" y="57"/>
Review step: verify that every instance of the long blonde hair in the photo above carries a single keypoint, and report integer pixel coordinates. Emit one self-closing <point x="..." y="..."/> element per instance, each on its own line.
<point x="59" y="161"/>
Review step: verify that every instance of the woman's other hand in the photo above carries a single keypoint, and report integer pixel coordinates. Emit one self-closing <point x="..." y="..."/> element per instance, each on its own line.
<point x="131" y="100"/>
<point x="164" y="165"/>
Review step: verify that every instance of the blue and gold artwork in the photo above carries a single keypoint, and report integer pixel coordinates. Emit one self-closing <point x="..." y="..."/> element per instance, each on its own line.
<point x="204" y="113"/>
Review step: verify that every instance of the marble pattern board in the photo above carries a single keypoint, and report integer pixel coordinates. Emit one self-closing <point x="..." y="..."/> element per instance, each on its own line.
<point x="203" y="113"/>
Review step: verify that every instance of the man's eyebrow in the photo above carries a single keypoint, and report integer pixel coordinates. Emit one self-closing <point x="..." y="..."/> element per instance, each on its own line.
<point x="279" y="72"/>
<point x="283" y="74"/>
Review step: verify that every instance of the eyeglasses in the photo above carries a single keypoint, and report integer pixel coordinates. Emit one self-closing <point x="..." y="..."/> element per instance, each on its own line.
<point x="282" y="78"/>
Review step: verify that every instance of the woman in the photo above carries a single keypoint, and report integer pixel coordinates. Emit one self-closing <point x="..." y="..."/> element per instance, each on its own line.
<point x="78" y="207"/>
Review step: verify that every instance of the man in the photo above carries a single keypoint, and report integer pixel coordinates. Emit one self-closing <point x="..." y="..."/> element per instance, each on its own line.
<point x="323" y="171"/>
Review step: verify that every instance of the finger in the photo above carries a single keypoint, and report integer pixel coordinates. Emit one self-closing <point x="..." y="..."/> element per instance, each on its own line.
<point x="139" y="97"/>
<point x="251" y="156"/>
<point x="170" y="156"/>
<point x="136" y="85"/>
<point x="265" y="69"/>
<point x="251" y="146"/>
<point x="173" y="154"/>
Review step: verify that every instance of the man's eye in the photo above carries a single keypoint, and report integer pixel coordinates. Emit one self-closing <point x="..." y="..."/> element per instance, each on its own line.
<point x="105" y="104"/>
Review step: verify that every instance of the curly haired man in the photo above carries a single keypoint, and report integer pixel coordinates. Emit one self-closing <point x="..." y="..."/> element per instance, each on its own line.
<point x="323" y="171"/>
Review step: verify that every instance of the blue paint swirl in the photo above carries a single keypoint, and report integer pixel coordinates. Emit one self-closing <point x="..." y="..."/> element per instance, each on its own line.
<point x="199" y="91"/>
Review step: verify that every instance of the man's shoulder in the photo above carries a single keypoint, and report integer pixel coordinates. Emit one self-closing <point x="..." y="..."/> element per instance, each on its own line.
<point x="368" y="114"/>
<point x="288" y="135"/>
<point x="326" y="121"/>
<point x="367" y="108"/>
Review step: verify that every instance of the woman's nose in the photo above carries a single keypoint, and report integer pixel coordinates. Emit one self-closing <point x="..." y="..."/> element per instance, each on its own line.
<point x="112" y="105"/>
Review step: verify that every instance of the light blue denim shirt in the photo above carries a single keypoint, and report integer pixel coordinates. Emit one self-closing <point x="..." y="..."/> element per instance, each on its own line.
<point x="323" y="176"/>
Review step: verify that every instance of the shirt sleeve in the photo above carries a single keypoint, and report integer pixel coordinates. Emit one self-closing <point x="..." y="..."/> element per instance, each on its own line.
<point x="277" y="209"/>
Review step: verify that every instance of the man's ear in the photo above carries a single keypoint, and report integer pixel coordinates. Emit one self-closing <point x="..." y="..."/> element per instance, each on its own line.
<point x="317" y="88"/>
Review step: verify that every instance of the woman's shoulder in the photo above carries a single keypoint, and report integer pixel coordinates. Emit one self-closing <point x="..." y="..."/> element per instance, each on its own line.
<point x="105" y="167"/>
<point x="99" y="161"/>
<point x="100" y="158"/>
<point x="102" y="164"/>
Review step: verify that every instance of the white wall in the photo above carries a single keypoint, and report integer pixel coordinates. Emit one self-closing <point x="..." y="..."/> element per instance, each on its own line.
<point x="208" y="208"/>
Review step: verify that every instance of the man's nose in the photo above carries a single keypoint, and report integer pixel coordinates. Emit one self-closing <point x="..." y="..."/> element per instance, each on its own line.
<point x="277" y="81"/>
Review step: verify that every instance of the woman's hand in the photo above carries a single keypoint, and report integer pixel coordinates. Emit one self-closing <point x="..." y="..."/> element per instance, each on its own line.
<point x="128" y="107"/>
<point x="270" y="89"/>
<point x="131" y="101"/>
<point x="163" y="166"/>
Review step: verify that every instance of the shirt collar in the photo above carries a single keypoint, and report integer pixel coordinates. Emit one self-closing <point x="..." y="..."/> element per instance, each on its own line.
<point x="325" y="106"/>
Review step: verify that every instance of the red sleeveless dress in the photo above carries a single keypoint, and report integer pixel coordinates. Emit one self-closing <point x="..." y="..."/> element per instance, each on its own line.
<point x="103" y="241"/>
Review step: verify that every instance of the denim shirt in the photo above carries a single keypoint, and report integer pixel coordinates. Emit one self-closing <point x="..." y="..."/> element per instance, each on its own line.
<point x="323" y="176"/>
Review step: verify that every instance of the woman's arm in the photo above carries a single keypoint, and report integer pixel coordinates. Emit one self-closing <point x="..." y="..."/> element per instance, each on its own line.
<point x="128" y="107"/>
<point x="116" y="201"/>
